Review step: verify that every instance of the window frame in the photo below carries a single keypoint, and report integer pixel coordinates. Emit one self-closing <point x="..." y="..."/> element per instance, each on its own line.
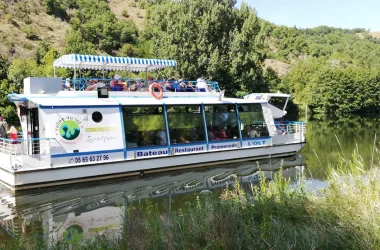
<point x="238" y="134"/>
<point x="200" y="106"/>
<point x="125" y="114"/>
<point x="263" y="126"/>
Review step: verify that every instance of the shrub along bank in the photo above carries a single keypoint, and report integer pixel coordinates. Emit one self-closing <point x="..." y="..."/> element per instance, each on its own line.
<point x="271" y="215"/>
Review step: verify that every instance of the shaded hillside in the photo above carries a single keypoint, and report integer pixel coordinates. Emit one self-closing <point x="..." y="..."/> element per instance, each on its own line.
<point x="26" y="23"/>
<point x="23" y="24"/>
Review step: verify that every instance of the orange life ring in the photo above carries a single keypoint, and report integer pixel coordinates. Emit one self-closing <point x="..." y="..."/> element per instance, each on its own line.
<point x="151" y="90"/>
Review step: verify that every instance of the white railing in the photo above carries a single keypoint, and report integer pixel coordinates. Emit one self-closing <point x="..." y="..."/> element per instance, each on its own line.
<point x="25" y="154"/>
<point x="291" y="131"/>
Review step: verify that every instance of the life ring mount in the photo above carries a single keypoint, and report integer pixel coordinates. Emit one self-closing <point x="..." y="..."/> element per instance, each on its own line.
<point x="151" y="90"/>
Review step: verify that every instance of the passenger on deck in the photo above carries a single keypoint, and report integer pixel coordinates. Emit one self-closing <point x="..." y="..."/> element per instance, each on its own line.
<point x="190" y="87"/>
<point x="141" y="86"/>
<point x="123" y="85"/>
<point x="174" y="85"/>
<point x="165" y="86"/>
<point x="161" y="138"/>
<point x="143" y="139"/>
<point x="3" y="128"/>
<point x="113" y="84"/>
<point x="67" y="85"/>
<point x="253" y="133"/>
<point x="232" y="132"/>
<point x="182" y="86"/>
<point x="13" y="135"/>
<point x="194" y="134"/>
<point x="92" y="85"/>
<point x="101" y="84"/>
<point x="132" y="86"/>
<point x="220" y="133"/>
<point x="177" y="137"/>
<point x="201" y="85"/>
<point x="168" y="87"/>
<point x="211" y="136"/>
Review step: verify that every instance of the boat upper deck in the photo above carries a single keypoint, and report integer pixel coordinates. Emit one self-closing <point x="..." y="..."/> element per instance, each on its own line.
<point x="47" y="92"/>
<point x="116" y="100"/>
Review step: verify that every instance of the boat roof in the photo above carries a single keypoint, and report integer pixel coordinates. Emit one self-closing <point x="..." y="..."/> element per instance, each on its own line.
<point x="94" y="62"/>
<point x="91" y="99"/>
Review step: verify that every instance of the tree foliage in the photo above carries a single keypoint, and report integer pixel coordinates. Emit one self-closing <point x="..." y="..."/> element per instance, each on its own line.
<point x="95" y="24"/>
<point x="332" y="70"/>
<point x="333" y="90"/>
<point x="211" y="39"/>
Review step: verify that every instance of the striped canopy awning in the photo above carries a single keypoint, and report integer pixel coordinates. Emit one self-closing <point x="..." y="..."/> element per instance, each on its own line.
<point x="111" y="63"/>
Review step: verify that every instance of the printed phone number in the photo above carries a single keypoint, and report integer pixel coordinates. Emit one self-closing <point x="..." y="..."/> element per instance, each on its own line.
<point x="94" y="158"/>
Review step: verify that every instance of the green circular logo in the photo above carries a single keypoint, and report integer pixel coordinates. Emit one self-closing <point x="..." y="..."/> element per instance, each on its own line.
<point x="69" y="130"/>
<point x="74" y="233"/>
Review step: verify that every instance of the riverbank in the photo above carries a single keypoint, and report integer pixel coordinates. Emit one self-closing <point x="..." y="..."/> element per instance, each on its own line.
<point x="271" y="215"/>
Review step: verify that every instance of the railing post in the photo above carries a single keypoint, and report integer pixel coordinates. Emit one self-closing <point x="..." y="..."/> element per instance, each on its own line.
<point x="167" y="129"/>
<point x="49" y="152"/>
<point x="205" y="124"/>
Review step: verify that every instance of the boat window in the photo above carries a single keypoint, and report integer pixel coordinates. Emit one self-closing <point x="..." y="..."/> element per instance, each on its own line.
<point x="144" y="126"/>
<point x="185" y="124"/>
<point x="252" y="121"/>
<point x="221" y="122"/>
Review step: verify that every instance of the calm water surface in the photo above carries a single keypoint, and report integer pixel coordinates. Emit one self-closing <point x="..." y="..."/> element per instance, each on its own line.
<point x="94" y="208"/>
<point x="331" y="140"/>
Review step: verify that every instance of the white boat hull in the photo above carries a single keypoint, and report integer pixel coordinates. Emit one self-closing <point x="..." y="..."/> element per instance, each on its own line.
<point x="51" y="176"/>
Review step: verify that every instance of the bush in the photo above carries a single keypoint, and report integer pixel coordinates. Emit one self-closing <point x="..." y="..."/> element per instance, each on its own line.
<point x="27" y="46"/>
<point x="30" y="32"/>
<point x="132" y="4"/>
<point x="124" y="13"/>
<point x="9" y="44"/>
<point x="54" y="7"/>
<point x="9" y="19"/>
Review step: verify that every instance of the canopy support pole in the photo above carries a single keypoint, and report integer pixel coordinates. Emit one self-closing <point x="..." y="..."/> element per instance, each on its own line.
<point x="103" y="70"/>
<point x="54" y="72"/>
<point x="146" y="73"/>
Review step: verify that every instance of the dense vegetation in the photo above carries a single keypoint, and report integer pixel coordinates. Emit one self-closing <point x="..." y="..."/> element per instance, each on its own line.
<point x="331" y="70"/>
<point x="334" y="70"/>
<point x="272" y="215"/>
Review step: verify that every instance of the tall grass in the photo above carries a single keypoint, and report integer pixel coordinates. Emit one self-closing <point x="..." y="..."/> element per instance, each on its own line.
<point x="271" y="215"/>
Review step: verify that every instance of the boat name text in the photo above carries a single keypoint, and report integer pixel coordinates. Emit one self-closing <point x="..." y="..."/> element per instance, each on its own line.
<point x="223" y="146"/>
<point x="257" y="143"/>
<point x="151" y="153"/>
<point x="189" y="149"/>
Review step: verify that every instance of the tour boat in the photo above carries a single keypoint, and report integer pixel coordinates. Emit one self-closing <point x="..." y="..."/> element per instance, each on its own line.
<point x="79" y="129"/>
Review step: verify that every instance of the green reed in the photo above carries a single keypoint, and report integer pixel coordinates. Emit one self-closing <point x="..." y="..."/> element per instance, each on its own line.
<point x="271" y="215"/>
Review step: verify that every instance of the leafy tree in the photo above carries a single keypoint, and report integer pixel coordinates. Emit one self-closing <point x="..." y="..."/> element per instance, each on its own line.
<point x="211" y="39"/>
<point x="95" y="23"/>
<point x="76" y="44"/>
<point x="46" y="67"/>
<point x="42" y="49"/>
<point x="3" y="68"/>
<point x="21" y="69"/>
<point x="54" y="7"/>
<point x="7" y="109"/>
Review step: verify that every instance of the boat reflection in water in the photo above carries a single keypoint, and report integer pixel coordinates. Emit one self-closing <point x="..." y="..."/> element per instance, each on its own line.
<point x="97" y="208"/>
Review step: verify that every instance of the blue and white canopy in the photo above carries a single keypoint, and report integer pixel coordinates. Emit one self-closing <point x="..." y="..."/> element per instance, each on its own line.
<point x="111" y="63"/>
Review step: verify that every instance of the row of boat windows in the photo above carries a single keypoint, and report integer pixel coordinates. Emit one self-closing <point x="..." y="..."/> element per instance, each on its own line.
<point x="146" y="126"/>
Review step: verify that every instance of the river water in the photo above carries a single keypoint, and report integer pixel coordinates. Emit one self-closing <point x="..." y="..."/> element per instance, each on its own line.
<point x="94" y="208"/>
